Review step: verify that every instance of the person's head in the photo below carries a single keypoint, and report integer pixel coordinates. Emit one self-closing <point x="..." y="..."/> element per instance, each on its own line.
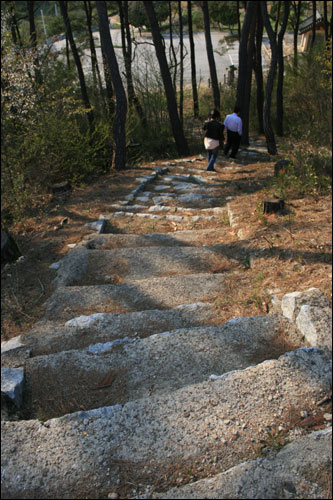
<point x="237" y="110"/>
<point x="214" y="114"/>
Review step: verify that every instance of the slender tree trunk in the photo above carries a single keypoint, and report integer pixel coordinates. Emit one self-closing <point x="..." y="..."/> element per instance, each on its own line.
<point x="16" y="36"/>
<point x="76" y="56"/>
<point x="244" y="73"/>
<point x="258" y="70"/>
<point x="314" y="11"/>
<point x="127" y="54"/>
<point x="279" y="89"/>
<point x="119" y="123"/>
<point x="193" y="69"/>
<point x="325" y="20"/>
<point x="67" y="53"/>
<point x="33" y="41"/>
<point x="177" y="129"/>
<point x="238" y="22"/>
<point x="33" y="34"/>
<point x="172" y="53"/>
<point x="181" y="79"/>
<point x="248" y="82"/>
<point x="210" y="55"/>
<point x="108" y="85"/>
<point x="268" y="130"/>
<point x="94" y="62"/>
<point x="277" y="17"/>
<point x="297" y="11"/>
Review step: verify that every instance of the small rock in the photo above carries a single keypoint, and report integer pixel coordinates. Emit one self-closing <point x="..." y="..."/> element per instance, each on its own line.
<point x="328" y="417"/>
<point x="304" y="414"/>
<point x="113" y="494"/>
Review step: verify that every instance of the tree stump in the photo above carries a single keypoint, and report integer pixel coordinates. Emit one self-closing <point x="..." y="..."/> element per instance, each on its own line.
<point x="61" y="187"/>
<point x="273" y="206"/>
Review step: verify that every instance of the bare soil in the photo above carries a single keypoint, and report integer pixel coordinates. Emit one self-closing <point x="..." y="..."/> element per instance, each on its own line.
<point x="288" y="251"/>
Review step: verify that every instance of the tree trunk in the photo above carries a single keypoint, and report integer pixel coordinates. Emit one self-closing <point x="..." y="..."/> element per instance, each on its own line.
<point x="314" y="9"/>
<point x="69" y="33"/>
<point x="248" y="82"/>
<point x="238" y="22"/>
<point x="245" y="67"/>
<point x="119" y="123"/>
<point x="172" y="53"/>
<point x="127" y="54"/>
<point x="16" y="36"/>
<point x="325" y="20"/>
<point x="33" y="41"/>
<point x="181" y="79"/>
<point x="297" y="11"/>
<point x="258" y="70"/>
<point x="193" y="69"/>
<point x="177" y="129"/>
<point x="210" y="55"/>
<point x="268" y="130"/>
<point x="279" y="89"/>
<point x="94" y="62"/>
<point x="108" y="84"/>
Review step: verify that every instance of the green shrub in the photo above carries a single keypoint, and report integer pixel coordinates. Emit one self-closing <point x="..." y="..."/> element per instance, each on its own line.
<point x="309" y="172"/>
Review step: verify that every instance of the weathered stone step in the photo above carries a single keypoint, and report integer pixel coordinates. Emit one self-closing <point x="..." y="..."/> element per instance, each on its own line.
<point x="127" y="369"/>
<point x="197" y="237"/>
<point x="77" y="333"/>
<point x="96" y="267"/>
<point x="134" y="295"/>
<point x="299" y="470"/>
<point x="93" y="453"/>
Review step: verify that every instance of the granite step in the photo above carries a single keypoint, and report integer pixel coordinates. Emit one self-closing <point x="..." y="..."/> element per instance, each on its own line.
<point x="216" y="424"/>
<point x="299" y="470"/>
<point x="134" y="295"/>
<point x="198" y="237"/>
<point x="127" y="368"/>
<point x="97" y="267"/>
<point x="48" y="337"/>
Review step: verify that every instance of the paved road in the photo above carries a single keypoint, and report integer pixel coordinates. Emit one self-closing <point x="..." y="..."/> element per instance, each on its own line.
<point x="145" y="63"/>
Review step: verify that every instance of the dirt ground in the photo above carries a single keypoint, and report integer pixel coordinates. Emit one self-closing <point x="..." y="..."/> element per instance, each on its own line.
<point x="289" y="251"/>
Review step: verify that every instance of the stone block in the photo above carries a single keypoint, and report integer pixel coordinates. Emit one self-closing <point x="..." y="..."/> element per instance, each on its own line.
<point x="292" y="302"/>
<point x="12" y="380"/>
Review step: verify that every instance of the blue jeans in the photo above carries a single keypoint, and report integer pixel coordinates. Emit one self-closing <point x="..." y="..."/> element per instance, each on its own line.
<point x="212" y="155"/>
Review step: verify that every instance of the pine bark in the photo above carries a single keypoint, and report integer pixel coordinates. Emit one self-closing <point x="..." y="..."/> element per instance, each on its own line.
<point x="84" y="93"/>
<point x="177" y="129"/>
<point x="119" y="122"/>
<point x="268" y="130"/>
<point x="193" y="68"/>
<point x="210" y="55"/>
<point x="279" y="88"/>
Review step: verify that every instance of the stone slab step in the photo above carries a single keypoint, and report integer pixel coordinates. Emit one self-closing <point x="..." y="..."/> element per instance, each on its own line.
<point x="96" y="267"/>
<point x="197" y="237"/>
<point x="89" y="454"/>
<point x="134" y="295"/>
<point x="77" y="333"/>
<point x="300" y="470"/>
<point x="127" y="369"/>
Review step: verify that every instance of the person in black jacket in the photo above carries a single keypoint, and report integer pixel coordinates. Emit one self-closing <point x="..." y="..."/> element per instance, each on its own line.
<point x="214" y="137"/>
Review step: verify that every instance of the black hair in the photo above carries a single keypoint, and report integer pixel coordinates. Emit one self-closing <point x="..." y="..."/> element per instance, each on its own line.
<point x="237" y="109"/>
<point x="214" y="114"/>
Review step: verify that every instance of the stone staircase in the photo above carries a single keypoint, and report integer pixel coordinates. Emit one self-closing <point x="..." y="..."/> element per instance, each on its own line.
<point x="130" y="388"/>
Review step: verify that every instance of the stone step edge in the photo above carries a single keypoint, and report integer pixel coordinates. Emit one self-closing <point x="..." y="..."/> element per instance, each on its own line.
<point x="19" y="346"/>
<point x="260" y="477"/>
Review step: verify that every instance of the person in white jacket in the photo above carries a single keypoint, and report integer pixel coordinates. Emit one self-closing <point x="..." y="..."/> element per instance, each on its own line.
<point x="233" y="125"/>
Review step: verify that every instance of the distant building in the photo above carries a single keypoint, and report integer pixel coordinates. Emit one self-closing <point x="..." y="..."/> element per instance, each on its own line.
<point x="305" y="29"/>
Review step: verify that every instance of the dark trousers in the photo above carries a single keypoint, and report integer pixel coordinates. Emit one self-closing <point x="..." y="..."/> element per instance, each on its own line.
<point x="233" y="142"/>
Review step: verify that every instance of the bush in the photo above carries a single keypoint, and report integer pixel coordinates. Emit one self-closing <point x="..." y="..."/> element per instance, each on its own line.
<point x="309" y="172"/>
<point x="308" y="97"/>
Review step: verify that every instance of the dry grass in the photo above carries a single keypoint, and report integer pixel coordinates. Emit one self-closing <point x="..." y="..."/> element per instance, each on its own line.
<point x="276" y="255"/>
